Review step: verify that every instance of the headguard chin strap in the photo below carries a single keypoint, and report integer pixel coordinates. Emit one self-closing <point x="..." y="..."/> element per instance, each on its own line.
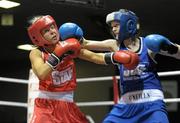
<point x="128" y="23"/>
<point x="35" y="29"/>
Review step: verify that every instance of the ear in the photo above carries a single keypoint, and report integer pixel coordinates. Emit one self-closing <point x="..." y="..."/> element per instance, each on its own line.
<point x="131" y="26"/>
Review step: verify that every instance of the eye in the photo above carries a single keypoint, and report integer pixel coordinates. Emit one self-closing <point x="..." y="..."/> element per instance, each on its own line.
<point x="45" y="30"/>
<point x="116" y="25"/>
<point x="52" y="26"/>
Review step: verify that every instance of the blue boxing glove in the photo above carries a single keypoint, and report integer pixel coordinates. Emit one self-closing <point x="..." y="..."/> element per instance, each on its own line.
<point x="157" y="42"/>
<point x="70" y="30"/>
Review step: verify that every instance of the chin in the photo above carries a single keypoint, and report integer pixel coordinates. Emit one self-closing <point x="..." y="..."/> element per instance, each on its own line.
<point x="55" y="42"/>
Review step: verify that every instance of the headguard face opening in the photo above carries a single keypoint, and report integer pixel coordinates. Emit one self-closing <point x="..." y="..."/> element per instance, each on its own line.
<point x="35" y="29"/>
<point x="128" y="23"/>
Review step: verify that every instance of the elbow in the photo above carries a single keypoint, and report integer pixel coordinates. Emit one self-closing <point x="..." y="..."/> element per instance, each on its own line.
<point x="42" y="76"/>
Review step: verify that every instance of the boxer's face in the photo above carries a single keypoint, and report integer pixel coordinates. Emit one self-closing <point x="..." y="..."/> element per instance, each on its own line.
<point x="50" y="33"/>
<point x="115" y="26"/>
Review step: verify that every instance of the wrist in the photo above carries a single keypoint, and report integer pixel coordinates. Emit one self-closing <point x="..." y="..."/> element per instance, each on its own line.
<point x="108" y="58"/>
<point x="81" y="40"/>
<point x="53" y="61"/>
<point x="171" y="48"/>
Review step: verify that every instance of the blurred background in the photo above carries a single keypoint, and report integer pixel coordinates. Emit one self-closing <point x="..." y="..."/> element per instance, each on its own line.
<point x="160" y="17"/>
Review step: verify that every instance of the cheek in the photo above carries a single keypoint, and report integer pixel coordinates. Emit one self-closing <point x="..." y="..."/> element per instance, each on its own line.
<point x="46" y="36"/>
<point x="118" y="28"/>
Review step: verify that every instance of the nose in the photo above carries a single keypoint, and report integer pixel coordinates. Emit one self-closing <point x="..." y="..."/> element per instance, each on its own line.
<point x="113" y="29"/>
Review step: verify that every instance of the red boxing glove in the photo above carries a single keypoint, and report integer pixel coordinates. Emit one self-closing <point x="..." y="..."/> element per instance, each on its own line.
<point x="71" y="48"/>
<point x="129" y="59"/>
<point x="75" y="47"/>
<point x="121" y="57"/>
<point x="134" y="61"/>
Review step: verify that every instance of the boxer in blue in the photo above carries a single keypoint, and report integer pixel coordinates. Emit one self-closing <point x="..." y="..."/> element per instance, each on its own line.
<point x="141" y="91"/>
<point x="142" y="96"/>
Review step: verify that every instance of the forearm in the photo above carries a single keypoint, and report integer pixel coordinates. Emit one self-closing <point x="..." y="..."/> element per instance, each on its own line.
<point x="129" y="59"/>
<point x="97" y="58"/>
<point x="105" y="45"/>
<point x="177" y="55"/>
<point x="174" y="55"/>
<point x="42" y="71"/>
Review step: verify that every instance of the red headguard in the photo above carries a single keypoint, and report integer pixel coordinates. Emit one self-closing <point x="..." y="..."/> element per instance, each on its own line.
<point x="35" y="29"/>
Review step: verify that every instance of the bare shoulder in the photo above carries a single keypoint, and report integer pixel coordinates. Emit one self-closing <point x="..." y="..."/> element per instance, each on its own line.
<point x="33" y="53"/>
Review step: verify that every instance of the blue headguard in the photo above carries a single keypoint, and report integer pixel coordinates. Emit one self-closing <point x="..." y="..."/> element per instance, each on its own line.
<point x="128" y="23"/>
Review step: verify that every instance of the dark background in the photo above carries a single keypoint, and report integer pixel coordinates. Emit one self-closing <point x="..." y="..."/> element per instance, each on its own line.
<point x="156" y="16"/>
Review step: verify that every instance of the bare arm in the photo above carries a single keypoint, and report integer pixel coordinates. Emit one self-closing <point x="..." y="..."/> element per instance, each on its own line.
<point x="176" y="55"/>
<point x="90" y="56"/>
<point x="40" y="68"/>
<point x="128" y="58"/>
<point x="105" y="45"/>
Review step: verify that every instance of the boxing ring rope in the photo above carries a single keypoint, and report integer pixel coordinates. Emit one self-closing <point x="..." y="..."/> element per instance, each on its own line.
<point x="82" y="80"/>
<point x="92" y="79"/>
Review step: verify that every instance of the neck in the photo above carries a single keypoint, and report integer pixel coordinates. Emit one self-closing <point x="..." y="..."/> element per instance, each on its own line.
<point x="132" y="44"/>
<point x="49" y="48"/>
